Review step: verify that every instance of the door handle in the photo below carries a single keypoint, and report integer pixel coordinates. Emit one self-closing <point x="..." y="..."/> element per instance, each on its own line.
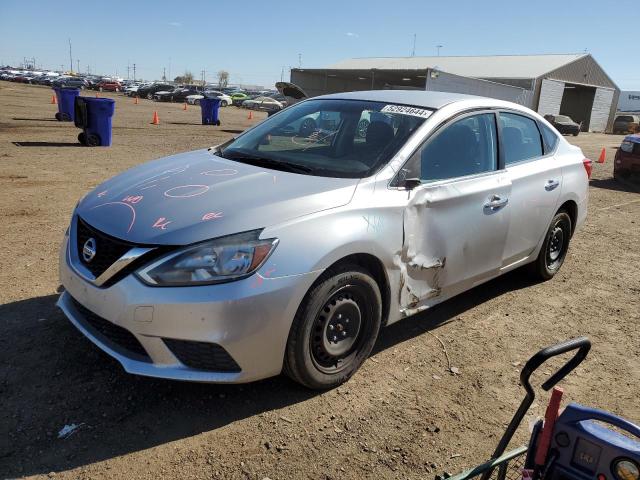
<point x="495" y="202"/>
<point x="551" y="185"/>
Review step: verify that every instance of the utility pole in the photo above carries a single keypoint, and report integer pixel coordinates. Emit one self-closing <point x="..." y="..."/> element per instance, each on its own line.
<point x="169" y="68"/>
<point x="127" y="69"/>
<point x="134" y="72"/>
<point x="439" y="47"/>
<point x="164" y="74"/>
<point x="282" y="75"/>
<point x="413" y="52"/>
<point x="70" y="57"/>
<point x="203" y="74"/>
<point x="78" y="63"/>
<point x="299" y="60"/>
<point x="61" y="68"/>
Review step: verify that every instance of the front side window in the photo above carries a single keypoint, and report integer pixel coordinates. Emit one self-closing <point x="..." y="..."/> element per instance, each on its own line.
<point x="333" y="138"/>
<point x="465" y="147"/>
<point x="520" y="138"/>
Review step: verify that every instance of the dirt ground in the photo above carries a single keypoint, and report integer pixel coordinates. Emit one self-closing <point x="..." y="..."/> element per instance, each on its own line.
<point x="402" y="416"/>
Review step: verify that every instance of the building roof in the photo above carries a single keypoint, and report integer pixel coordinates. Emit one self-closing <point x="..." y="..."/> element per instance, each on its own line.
<point x="419" y="98"/>
<point x="490" y="66"/>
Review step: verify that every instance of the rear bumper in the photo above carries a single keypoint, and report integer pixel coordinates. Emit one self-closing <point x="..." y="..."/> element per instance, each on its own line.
<point x="249" y="319"/>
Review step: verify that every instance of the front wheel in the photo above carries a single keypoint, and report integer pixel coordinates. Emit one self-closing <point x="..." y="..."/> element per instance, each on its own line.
<point x="555" y="247"/>
<point x="334" y="329"/>
<point x="223" y="103"/>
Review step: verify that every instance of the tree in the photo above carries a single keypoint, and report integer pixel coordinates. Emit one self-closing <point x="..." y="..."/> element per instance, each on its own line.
<point x="223" y="78"/>
<point x="186" y="78"/>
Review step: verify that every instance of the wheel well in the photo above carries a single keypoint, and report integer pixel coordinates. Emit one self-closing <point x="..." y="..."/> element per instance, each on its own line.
<point x="571" y="208"/>
<point x="376" y="269"/>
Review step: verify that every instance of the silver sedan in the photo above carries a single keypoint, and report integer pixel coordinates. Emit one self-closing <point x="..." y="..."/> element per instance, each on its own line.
<point x="290" y="246"/>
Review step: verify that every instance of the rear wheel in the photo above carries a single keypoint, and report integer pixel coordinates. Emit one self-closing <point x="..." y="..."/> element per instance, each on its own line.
<point x="223" y="103"/>
<point x="555" y="247"/>
<point x="334" y="329"/>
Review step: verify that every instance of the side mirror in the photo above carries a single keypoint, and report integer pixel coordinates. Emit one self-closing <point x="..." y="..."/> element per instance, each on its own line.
<point x="411" y="183"/>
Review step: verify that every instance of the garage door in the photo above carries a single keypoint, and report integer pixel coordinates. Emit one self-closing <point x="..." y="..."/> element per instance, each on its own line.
<point x="600" y="110"/>
<point x="550" y="97"/>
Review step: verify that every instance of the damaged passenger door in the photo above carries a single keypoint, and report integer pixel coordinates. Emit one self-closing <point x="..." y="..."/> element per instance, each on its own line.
<point x="457" y="218"/>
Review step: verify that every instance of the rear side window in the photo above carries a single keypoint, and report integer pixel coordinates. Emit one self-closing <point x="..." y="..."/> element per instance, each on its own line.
<point x="520" y="138"/>
<point x="550" y="138"/>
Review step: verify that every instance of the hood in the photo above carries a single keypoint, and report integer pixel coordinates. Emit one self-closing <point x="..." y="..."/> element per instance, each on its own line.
<point x="195" y="196"/>
<point x="292" y="92"/>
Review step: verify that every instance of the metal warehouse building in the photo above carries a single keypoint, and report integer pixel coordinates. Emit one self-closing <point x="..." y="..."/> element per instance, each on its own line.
<point x="569" y="84"/>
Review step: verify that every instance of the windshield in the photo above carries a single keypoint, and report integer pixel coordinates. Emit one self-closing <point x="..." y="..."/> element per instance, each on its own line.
<point x="332" y="138"/>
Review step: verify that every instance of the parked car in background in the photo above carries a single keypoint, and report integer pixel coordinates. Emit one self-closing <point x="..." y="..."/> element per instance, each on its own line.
<point x="194" y="99"/>
<point x="109" y="86"/>
<point x="70" y="82"/>
<point x="626" y="124"/>
<point x="263" y="103"/>
<point x="627" y="159"/>
<point x="148" y="91"/>
<point x="178" y="94"/>
<point x="564" y="124"/>
<point x="173" y="270"/>
<point x="238" y="97"/>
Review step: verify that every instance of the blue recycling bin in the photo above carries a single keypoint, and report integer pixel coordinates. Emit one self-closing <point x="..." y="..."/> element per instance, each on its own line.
<point x="66" y="99"/>
<point x="209" y="107"/>
<point x="93" y="116"/>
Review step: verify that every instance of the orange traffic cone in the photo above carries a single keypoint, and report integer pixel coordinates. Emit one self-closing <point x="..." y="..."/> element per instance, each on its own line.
<point x="54" y="100"/>
<point x="603" y="156"/>
<point x="135" y="102"/>
<point x="156" y="120"/>
<point x="250" y="116"/>
<point x="184" y="107"/>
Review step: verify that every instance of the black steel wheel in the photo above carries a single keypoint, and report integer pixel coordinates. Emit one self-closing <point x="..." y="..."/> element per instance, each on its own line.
<point x="82" y="138"/>
<point x="555" y="247"/>
<point x="334" y="329"/>
<point x="92" y="140"/>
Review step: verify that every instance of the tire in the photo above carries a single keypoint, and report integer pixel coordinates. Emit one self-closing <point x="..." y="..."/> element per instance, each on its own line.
<point x="92" y="140"/>
<point x="555" y="247"/>
<point x="363" y="125"/>
<point x="82" y="138"/>
<point x="576" y="134"/>
<point x="313" y="357"/>
<point x="149" y="96"/>
<point x="196" y="101"/>
<point x="223" y="103"/>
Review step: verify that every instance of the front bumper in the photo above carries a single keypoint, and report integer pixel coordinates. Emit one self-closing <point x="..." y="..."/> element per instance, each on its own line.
<point x="250" y="319"/>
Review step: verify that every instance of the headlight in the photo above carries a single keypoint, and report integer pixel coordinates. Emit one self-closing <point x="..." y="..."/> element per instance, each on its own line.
<point x="214" y="261"/>
<point x="626" y="147"/>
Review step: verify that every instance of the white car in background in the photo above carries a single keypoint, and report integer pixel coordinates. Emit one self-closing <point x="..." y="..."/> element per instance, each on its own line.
<point x="225" y="99"/>
<point x="263" y="103"/>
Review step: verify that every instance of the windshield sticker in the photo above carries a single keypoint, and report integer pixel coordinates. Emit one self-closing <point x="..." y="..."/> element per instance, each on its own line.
<point x="404" y="110"/>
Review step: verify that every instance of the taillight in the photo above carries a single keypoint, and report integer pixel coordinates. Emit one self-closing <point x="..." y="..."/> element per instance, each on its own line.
<point x="588" y="165"/>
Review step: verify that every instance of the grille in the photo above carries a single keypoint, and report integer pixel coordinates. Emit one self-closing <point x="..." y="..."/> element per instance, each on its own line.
<point x="202" y="355"/>
<point x="118" y="338"/>
<point x="108" y="249"/>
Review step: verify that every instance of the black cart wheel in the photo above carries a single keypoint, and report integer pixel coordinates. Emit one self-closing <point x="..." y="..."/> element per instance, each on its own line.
<point x="65" y="117"/>
<point x="93" y="140"/>
<point x="82" y="138"/>
<point x="58" y="116"/>
<point x="218" y="123"/>
<point x="334" y="329"/>
<point x="555" y="247"/>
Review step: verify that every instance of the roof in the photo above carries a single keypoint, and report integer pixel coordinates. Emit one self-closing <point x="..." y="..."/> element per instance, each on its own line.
<point x="420" y="98"/>
<point x="490" y="66"/>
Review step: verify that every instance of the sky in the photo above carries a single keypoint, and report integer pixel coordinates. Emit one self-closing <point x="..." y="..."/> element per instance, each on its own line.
<point x="257" y="41"/>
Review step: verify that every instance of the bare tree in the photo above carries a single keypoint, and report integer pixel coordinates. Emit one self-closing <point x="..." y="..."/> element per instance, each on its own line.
<point x="223" y="78"/>
<point x="187" y="77"/>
